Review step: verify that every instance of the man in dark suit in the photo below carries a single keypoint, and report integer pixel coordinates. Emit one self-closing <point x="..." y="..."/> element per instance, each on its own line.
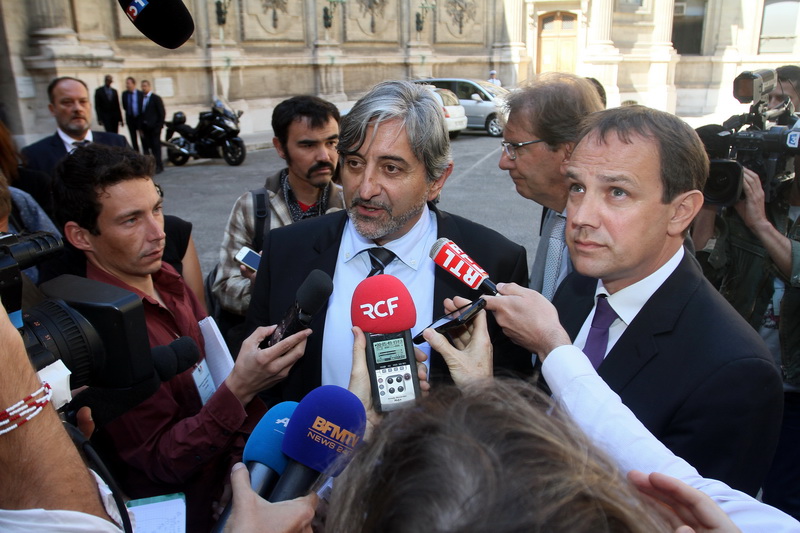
<point x="70" y="106"/>
<point x="676" y="352"/>
<point x="132" y="104"/>
<point x="151" y="121"/>
<point x="106" y="104"/>
<point x="394" y="161"/>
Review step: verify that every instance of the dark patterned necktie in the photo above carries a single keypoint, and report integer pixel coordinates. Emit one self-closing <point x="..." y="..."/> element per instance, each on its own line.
<point x="380" y="259"/>
<point x="597" y="341"/>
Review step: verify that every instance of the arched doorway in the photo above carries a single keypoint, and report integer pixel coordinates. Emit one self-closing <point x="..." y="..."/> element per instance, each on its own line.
<point x="558" y="42"/>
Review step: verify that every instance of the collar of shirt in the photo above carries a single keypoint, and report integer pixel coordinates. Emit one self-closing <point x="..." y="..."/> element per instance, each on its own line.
<point x="166" y="279"/>
<point x="412" y="248"/>
<point x="67" y="140"/>
<point x="629" y="301"/>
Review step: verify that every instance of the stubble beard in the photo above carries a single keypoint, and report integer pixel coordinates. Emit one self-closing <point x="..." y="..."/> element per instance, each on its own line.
<point x="372" y="229"/>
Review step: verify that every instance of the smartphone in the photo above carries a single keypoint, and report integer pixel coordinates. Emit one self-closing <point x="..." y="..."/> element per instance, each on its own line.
<point x="459" y="317"/>
<point x="248" y="258"/>
<point x="392" y="370"/>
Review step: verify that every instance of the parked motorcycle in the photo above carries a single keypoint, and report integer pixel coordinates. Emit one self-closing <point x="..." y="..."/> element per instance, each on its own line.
<point x="216" y="135"/>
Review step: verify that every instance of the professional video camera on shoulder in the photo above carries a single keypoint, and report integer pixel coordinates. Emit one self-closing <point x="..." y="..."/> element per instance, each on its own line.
<point x="96" y="330"/>
<point x="749" y="141"/>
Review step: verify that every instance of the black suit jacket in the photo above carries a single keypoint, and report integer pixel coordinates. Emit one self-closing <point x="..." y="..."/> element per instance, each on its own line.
<point x="292" y="252"/>
<point x="125" y="103"/>
<point x="695" y="374"/>
<point x="45" y="154"/>
<point x="107" y="110"/>
<point x="153" y="115"/>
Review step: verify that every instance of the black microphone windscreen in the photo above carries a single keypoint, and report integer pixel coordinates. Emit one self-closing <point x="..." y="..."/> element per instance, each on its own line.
<point x="175" y="357"/>
<point x="165" y="22"/>
<point x="314" y="291"/>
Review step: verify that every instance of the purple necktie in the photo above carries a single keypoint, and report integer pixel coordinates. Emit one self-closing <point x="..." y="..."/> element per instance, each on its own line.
<point x="597" y="341"/>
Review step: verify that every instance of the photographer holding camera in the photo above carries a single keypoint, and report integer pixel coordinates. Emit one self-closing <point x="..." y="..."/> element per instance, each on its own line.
<point x="756" y="262"/>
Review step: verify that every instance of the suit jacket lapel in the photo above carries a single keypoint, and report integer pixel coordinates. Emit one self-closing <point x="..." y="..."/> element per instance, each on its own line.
<point x="638" y="345"/>
<point x="574" y="300"/>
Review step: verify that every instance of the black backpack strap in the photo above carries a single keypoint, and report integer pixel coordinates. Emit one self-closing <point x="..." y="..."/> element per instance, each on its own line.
<point x="262" y="220"/>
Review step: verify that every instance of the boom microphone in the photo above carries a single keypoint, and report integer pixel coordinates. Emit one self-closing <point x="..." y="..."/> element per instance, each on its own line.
<point x="324" y="429"/>
<point x="165" y="22"/>
<point x="383" y="308"/>
<point x="311" y="296"/>
<point x="173" y="358"/>
<point x="262" y="454"/>
<point x="450" y="257"/>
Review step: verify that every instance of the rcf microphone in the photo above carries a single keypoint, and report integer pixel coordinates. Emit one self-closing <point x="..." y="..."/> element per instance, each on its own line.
<point x="323" y="431"/>
<point x="262" y="454"/>
<point x="173" y="358"/>
<point x="311" y="296"/>
<point x="450" y="257"/>
<point x="165" y="22"/>
<point x="383" y="308"/>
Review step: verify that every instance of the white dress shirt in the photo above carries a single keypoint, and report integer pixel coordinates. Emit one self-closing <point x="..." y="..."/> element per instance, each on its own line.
<point x="628" y="302"/>
<point x="610" y="425"/>
<point x="413" y="267"/>
<point x="67" y="140"/>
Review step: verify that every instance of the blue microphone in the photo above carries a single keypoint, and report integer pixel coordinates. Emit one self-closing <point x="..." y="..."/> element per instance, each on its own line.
<point x="326" y="426"/>
<point x="262" y="454"/>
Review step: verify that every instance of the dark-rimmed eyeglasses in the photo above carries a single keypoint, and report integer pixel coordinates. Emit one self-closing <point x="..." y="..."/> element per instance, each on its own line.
<point x="511" y="148"/>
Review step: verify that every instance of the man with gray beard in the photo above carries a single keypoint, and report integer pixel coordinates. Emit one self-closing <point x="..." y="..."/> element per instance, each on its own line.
<point x="394" y="158"/>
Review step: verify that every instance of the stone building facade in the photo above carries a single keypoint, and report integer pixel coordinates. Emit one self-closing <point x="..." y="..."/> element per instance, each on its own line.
<point x="679" y="56"/>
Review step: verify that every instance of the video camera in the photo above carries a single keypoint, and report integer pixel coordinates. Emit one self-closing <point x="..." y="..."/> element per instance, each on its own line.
<point x="767" y="151"/>
<point x="96" y="329"/>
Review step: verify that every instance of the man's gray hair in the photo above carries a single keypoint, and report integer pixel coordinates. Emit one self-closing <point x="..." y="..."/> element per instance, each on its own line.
<point x="419" y="112"/>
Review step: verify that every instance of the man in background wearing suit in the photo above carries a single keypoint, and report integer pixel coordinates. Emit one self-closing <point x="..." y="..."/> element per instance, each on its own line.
<point x="106" y="105"/>
<point x="394" y="156"/>
<point x="540" y="133"/>
<point x="70" y="106"/>
<point x="132" y="104"/>
<point x="151" y="121"/>
<point x="679" y="356"/>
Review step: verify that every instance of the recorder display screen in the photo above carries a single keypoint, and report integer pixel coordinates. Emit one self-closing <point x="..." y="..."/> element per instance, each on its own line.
<point x="389" y="351"/>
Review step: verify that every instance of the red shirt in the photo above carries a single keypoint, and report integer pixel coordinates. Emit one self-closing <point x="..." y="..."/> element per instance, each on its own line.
<point x="171" y="442"/>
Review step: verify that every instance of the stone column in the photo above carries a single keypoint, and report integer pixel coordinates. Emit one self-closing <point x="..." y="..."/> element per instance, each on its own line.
<point x="601" y="58"/>
<point x="663" y="59"/>
<point x="509" y="53"/>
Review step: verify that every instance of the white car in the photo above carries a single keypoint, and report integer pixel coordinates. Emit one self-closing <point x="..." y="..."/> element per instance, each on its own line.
<point x="484" y="102"/>
<point x="455" y="116"/>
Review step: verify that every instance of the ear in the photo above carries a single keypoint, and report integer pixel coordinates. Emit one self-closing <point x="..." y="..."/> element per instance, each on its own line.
<point x="279" y="147"/>
<point x="684" y="208"/>
<point x="78" y="237"/>
<point x="52" y="109"/>
<point x="436" y="186"/>
<point x="566" y="151"/>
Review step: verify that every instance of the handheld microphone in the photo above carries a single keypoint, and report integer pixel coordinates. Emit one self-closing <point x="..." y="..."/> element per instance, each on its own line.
<point x="173" y="358"/>
<point x="311" y="296"/>
<point x="324" y="429"/>
<point x="450" y="257"/>
<point x="383" y="308"/>
<point x="165" y="22"/>
<point x="263" y="456"/>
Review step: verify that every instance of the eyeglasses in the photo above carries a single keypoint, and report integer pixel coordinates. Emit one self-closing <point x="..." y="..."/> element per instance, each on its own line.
<point x="511" y="148"/>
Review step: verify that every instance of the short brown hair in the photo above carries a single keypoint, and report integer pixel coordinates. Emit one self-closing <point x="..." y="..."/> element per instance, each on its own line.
<point x="683" y="160"/>
<point x="555" y="103"/>
<point x="493" y="456"/>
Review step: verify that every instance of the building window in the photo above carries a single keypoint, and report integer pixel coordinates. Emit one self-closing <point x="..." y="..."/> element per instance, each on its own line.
<point x="779" y="26"/>
<point x="687" y="26"/>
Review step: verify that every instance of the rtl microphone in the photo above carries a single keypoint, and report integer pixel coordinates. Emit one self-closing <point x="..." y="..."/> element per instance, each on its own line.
<point x="263" y="456"/>
<point x="311" y="296"/>
<point x="323" y="431"/>
<point x="450" y="257"/>
<point x="165" y="22"/>
<point x="383" y="308"/>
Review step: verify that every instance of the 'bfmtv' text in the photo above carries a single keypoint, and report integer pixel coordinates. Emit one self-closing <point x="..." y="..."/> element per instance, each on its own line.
<point x="134" y="8"/>
<point x="332" y="436"/>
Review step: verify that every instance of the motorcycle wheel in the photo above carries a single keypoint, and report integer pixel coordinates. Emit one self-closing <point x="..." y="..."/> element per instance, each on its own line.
<point x="234" y="152"/>
<point x="176" y="157"/>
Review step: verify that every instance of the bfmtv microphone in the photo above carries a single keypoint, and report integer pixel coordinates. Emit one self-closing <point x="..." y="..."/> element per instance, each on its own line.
<point x="262" y="454"/>
<point x="311" y="296"/>
<point x="323" y="431"/>
<point x="165" y="22"/>
<point x="382" y="307"/>
<point x="450" y="257"/>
